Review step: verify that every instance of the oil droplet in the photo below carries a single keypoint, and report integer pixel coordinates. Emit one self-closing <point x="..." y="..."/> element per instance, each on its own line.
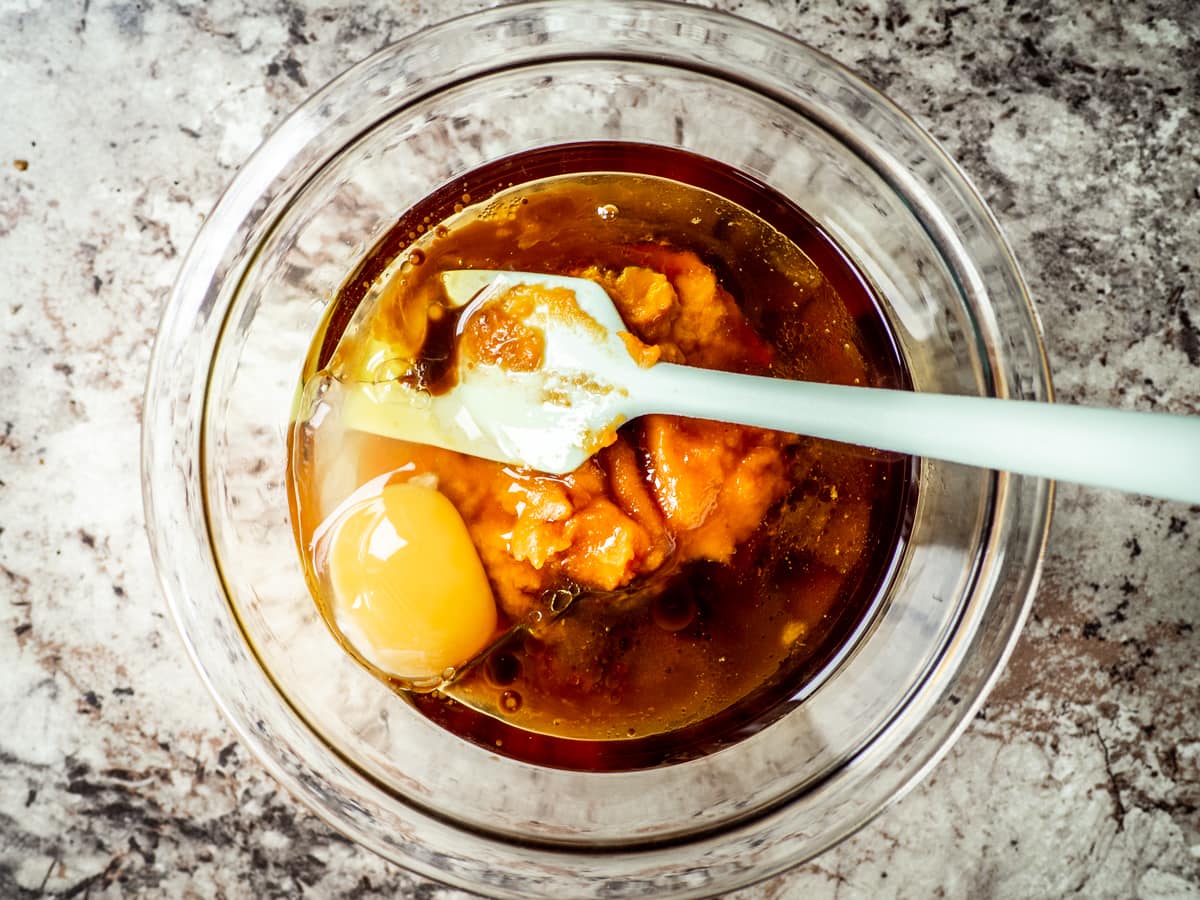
<point x="511" y="701"/>
<point x="608" y="211"/>
<point x="696" y="220"/>
<point x="391" y="369"/>
<point x="466" y="198"/>
<point x="448" y="673"/>
<point x="458" y="207"/>
<point x="503" y="669"/>
<point x="673" y="613"/>
<point x="631" y="732"/>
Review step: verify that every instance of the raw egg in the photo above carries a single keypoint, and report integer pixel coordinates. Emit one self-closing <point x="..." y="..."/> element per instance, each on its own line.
<point x="408" y="591"/>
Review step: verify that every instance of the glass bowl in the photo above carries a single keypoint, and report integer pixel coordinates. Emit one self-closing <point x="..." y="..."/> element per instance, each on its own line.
<point x="299" y="216"/>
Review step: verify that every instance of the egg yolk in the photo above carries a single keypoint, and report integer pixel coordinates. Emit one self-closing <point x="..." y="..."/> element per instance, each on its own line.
<point x="409" y="591"/>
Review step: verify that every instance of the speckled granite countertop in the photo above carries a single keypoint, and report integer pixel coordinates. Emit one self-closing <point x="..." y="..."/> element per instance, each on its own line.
<point x="119" y="125"/>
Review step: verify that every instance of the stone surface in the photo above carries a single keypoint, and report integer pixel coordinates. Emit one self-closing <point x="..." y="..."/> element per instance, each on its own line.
<point x="119" y="125"/>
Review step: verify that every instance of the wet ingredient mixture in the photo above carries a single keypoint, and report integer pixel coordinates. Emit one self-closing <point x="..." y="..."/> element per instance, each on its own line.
<point x="672" y="592"/>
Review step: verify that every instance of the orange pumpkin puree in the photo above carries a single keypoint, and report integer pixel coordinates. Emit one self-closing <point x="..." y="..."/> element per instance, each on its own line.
<point x="694" y="490"/>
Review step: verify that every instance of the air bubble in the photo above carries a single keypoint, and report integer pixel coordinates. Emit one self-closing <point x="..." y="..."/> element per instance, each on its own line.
<point x="608" y="211"/>
<point x="511" y="701"/>
<point x="312" y="400"/>
<point x="560" y="600"/>
<point x="422" y="400"/>
<point x="416" y="257"/>
<point x="441" y="231"/>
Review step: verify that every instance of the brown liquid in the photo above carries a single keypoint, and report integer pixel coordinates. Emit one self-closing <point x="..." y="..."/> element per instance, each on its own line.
<point x="693" y="657"/>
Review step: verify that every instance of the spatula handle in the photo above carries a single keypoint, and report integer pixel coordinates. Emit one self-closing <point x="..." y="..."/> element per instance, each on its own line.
<point x="1147" y="453"/>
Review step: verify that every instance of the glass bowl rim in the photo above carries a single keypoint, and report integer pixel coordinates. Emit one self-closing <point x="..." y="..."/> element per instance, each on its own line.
<point x="238" y="202"/>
